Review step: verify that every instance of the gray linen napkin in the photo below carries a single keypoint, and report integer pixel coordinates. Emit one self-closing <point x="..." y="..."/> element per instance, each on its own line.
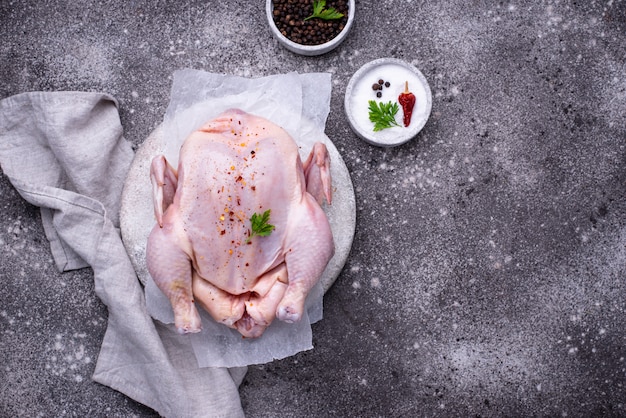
<point x="64" y="152"/>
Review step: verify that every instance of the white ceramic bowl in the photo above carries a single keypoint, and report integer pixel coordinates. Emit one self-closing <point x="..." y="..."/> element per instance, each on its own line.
<point x="359" y="91"/>
<point x="309" y="50"/>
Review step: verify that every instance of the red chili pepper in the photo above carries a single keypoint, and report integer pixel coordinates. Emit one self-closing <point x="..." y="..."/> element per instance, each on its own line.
<point x="407" y="101"/>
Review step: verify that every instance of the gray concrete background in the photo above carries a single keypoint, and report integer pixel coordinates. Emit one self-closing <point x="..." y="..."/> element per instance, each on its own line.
<point x="487" y="272"/>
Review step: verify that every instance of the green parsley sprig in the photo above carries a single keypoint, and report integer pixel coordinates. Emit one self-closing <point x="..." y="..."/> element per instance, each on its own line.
<point x="383" y="114"/>
<point x="320" y="12"/>
<point x="259" y="225"/>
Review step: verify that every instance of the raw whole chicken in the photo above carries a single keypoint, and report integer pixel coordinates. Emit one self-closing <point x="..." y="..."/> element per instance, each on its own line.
<point x="205" y="248"/>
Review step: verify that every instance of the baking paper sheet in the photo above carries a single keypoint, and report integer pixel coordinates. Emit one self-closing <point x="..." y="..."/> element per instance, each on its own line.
<point x="300" y="104"/>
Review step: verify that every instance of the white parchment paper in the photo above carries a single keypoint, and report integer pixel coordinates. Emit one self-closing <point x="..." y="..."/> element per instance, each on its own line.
<point x="300" y="104"/>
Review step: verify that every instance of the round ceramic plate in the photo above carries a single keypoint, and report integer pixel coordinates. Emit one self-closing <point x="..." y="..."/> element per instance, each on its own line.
<point x="137" y="213"/>
<point x="359" y="92"/>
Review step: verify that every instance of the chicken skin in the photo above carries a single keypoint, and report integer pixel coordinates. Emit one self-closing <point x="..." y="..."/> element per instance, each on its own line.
<point x="206" y="249"/>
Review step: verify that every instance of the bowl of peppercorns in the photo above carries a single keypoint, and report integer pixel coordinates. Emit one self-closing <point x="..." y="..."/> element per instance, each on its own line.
<point x="310" y="27"/>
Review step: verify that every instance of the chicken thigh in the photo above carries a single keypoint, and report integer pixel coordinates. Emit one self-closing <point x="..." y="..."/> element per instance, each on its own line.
<point x="204" y="247"/>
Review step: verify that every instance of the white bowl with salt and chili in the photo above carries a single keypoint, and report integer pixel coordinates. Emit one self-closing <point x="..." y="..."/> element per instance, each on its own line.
<point x="387" y="102"/>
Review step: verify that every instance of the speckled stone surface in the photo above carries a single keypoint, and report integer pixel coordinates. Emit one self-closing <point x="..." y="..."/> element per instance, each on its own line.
<point x="487" y="275"/>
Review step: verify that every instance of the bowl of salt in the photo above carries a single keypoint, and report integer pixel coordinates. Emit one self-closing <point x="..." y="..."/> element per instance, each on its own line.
<point x="387" y="102"/>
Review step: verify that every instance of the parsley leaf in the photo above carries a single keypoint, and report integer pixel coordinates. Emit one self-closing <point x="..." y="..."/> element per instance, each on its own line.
<point x="259" y="225"/>
<point x="319" y="11"/>
<point x="383" y="114"/>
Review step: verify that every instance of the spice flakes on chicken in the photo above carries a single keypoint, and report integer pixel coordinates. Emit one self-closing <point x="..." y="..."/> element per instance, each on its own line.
<point x="240" y="228"/>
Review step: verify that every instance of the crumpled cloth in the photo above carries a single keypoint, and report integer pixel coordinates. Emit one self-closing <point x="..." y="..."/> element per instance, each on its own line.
<point x="65" y="152"/>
